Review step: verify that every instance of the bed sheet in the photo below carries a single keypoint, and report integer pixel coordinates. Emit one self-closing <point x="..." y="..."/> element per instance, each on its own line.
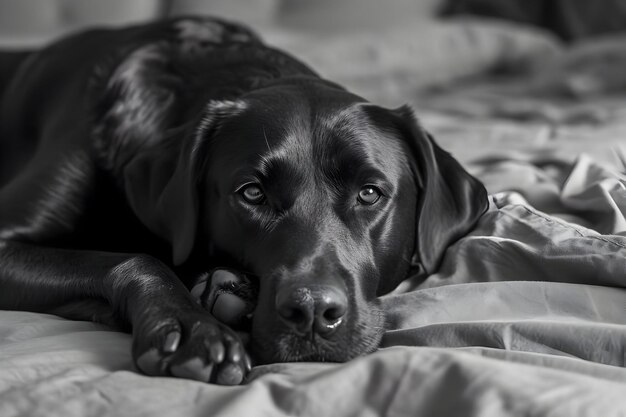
<point x="54" y="367"/>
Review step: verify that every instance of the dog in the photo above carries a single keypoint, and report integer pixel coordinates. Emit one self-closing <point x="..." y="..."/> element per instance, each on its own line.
<point x="134" y="160"/>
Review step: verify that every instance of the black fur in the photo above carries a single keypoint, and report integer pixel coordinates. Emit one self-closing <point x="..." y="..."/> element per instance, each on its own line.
<point x="124" y="156"/>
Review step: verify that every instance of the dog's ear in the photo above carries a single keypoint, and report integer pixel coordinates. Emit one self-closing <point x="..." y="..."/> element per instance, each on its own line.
<point x="162" y="183"/>
<point x="144" y="134"/>
<point x="450" y="200"/>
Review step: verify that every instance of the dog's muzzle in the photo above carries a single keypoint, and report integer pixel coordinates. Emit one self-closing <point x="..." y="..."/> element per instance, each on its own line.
<point x="313" y="309"/>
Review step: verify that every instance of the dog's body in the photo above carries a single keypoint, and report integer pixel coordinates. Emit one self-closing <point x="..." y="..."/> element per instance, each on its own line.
<point x="132" y="160"/>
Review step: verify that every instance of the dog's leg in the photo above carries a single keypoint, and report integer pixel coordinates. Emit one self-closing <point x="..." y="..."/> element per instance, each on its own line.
<point x="172" y="334"/>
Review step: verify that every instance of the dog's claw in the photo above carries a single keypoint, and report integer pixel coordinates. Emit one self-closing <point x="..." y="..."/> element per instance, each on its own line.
<point x="234" y="355"/>
<point x="217" y="352"/>
<point x="233" y="348"/>
<point x="172" y="341"/>
<point x="247" y="362"/>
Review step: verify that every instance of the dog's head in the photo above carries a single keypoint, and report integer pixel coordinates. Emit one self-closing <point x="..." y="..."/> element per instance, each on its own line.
<point x="330" y="201"/>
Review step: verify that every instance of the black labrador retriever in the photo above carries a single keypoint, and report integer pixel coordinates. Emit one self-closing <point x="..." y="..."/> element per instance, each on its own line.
<point x="134" y="160"/>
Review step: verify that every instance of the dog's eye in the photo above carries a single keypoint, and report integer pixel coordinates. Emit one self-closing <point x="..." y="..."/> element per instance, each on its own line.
<point x="252" y="193"/>
<point x="369" y="195"/>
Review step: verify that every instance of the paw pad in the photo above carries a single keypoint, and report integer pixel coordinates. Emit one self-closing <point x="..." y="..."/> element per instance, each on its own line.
<point x="230" y="297"/>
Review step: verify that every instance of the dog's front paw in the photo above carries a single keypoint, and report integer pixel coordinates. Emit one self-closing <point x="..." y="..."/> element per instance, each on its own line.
<point x="194" y="345"/>
<point x="228" y="295"/>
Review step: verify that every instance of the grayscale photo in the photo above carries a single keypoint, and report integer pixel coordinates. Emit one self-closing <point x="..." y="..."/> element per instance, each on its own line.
<point x="317" y="208"/>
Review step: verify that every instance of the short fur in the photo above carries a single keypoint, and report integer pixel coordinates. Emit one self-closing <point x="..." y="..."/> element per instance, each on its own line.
<point x="123" y="153"/>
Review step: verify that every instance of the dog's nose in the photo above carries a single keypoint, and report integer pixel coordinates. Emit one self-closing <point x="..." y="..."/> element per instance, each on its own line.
<point x="313" y="309"/>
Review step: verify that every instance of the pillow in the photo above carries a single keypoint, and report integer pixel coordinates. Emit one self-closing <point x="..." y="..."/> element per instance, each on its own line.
<point x="592" y="67"/>
<point x="384" y="65"/>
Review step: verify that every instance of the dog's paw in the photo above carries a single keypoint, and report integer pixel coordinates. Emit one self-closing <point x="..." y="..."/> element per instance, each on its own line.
<point x="194" y="345"/>
<point x="228" y="295"/>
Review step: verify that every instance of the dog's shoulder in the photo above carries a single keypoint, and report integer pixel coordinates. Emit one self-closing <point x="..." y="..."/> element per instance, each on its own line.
<point x="148" y="92"/>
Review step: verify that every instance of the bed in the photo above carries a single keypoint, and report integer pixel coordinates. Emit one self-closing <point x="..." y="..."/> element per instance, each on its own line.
<point x="548" y="340"/>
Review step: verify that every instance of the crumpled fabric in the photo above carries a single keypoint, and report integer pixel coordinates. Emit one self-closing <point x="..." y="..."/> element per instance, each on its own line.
<point x="515" y="241"/>
<point x="585" y="192"/>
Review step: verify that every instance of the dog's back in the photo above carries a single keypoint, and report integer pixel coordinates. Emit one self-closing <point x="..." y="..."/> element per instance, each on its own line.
<point x="93" y="70"/>
<point x="10" y="62"/>
<point x="36" y="85"/>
